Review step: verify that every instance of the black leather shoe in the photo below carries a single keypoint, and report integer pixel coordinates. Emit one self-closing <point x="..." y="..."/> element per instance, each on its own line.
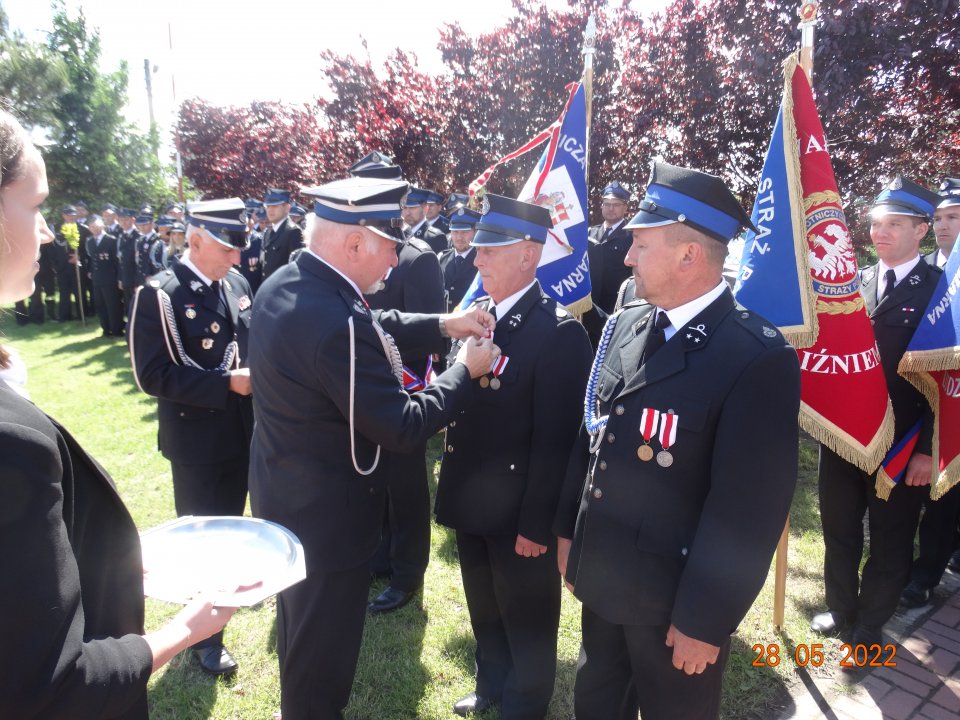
<point x="215" y="660"/>
<point x="914" y="596"/>
<point x="472" y="703"/>
<point x="828" y="623"/>
<point x="866" y="635"/>
<point x="389" y="600"/>
<point x="954" y="562"/>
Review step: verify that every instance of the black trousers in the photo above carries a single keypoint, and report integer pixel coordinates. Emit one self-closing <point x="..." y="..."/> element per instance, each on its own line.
<point x="218" y="489"/>
<point x="939" y="538"/>
<point x="404" y="549"/>
<point x="109" y="310"/>
<point x="319" y="629"/>
<point x="846" y="493"/>
<point x="128" y="293"/>
<point x="67" y="282"/>
<point x="625" y="669"/>
<point x="514" y="605"/>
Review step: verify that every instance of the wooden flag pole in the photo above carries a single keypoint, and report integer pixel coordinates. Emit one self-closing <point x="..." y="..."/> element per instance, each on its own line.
<point x="808" y="20"/>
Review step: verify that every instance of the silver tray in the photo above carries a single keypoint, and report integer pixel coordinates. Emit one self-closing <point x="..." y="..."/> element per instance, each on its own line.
<point x="236" y="561"/>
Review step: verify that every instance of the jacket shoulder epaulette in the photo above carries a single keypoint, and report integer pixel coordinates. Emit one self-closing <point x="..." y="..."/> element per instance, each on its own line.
<point x="759" y="327"/>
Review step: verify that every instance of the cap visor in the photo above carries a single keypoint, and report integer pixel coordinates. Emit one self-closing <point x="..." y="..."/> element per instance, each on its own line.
<point x="645" y="219"/>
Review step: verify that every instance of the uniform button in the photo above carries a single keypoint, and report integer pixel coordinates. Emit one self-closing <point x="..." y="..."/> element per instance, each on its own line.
<point x="603" y="464"/>
<point x="372" y="491"/>
<point x="683" y="552"/>
<point x="611" y="438"/>
<point x="513" y="467"/>
<point x="619" y="410"/>
<point x="183" y="414"/>
<point x="453" y="423"/>
<point x="449" y="448"/>
<point x="597" y="493"/>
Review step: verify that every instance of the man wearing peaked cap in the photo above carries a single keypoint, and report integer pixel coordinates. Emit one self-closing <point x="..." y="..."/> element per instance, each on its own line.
<point x="330" y="401"/>
<point x="415" y="285"/>
<point x="503" y="464"/>
<point x="282" y="236"/>
<point x="690" y="426"/>
<point x="147" y="265"/>
<point x="456" y="262"/>
<point x="946" y="222"/>
<point x="455" y="202"/>
<point x="127" y="250"/>
<point x="608" y="246"/>
<point x="109" y="214"/>
<point x="895" y="292"/>
<point x="414" y="215"/>
<point x="188" y="347"/>
<point x="432" y="214"/>
<point x="250" y="258"/>
<point x="376" y="165"/>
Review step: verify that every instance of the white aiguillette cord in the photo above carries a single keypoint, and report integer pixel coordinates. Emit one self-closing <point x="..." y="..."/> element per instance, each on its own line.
<point x="393" y="355"/>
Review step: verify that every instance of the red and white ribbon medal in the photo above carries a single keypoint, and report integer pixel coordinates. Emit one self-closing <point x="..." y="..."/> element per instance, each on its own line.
<point x="496" y="369"/>
<point x="668" y="435"/>
<point x="648" y="428"/>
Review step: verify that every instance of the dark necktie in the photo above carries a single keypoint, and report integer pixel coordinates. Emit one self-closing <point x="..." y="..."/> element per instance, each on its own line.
<point x="492" y="309"/>
<point x="221" y="303"/>
<point x="891" y="278"/>
<point x="656" y="338"/>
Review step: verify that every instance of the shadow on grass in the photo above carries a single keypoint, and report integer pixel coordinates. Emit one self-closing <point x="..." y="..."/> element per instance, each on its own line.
<point x="390" y="658"/>
<point x="751" y="692"/>
<point x="184" y="691"/>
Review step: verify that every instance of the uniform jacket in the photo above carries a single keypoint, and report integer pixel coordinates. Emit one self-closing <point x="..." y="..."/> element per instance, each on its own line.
<point x="277" y="246"/>
<point x="250" y="261"/>
<point x="689" y="544"/>
<point x="415" y="285"/>
<point x="931" y="257"/>
<point x="200" y="420"/>
<point x="894" y="322"/>
<point x="127" y="250"/>
<point x="104" y="261"/>
<point x="432" y="236"/>
<point x="146" y="266"/>
<point x="606" y="251"/>
<point x="301" y="472"/>
<point x="457" y="276"/>
<point x="71" y="601"/>
<point x="440" y="223"/>
<point x="506" y="452"/>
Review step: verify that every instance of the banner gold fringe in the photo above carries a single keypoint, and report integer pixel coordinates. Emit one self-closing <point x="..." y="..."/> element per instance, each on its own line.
<point x="950" y="475"/>
<point x="884" y="485"/>
<point x="580" y="307"/>
<point x="867" y="458"/>
<point x="930" y="360"/>
<point x="805" y="335"/>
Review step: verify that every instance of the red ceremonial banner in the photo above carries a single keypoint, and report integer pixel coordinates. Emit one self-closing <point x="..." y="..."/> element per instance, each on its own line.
<point x="844" y="400"/>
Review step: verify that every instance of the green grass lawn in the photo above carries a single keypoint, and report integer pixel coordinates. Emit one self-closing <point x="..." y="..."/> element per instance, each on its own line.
<point x="415" y="663"/>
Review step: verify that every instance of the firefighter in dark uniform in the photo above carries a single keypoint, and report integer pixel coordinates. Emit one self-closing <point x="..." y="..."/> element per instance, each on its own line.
<point x="328" y="395"/>
<point x="431" y="212"/>
<point x="680" y="482"/>
<point x="105" y="277"/>
<point x="250" y="258"/>
<point x="110" y="220"/>
<point x="127" y="250"/>
<point x="456" y="262"/>
<point x="416" y="221"/>
<point x="281" y="236"/>
<point x="895" y="291"/>
<point x="65" y="263"/>
<point x="188" y="346"/>
<point x="146" y="265"/>
<point x="504" y="459"/>
<point x="415" y="285"/>
<point x="607" y="248"/>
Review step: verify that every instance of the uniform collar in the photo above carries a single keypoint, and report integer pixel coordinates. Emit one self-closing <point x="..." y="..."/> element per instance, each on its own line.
<point x="682" y="315"/>
<point x="504" y="306"/>
<point x="901" y="271"/>
<point x="308" y="251"/>
<point x="185" y="260"/>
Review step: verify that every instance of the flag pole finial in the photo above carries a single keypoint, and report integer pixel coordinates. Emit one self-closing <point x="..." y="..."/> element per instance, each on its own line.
<point x="588" y="50"/>
<point x="808" y="22"/>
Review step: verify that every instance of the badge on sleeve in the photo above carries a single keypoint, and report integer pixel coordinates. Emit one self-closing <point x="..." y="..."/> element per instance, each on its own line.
<point x="207" y="343"/>
<point x="243" y="303"/>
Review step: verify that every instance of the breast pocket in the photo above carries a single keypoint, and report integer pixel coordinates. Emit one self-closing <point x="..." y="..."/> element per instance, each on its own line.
<point x="904" y="316"/>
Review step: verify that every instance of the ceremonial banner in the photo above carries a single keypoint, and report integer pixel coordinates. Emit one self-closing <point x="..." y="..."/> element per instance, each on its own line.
<point x="558" y="183"/>
<point x="932" y="364"/>
<point x="844" y="400"/>
<point x="774" y="274"/>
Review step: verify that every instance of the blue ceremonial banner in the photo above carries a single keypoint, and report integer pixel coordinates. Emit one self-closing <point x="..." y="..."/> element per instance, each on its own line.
<point x="559" y="183"/>
<point x="774" y="275"/>
<point x="935" y="344"/>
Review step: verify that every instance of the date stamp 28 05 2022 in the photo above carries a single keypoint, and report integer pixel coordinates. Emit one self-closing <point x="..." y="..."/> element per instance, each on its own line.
<point x="814" y="655"/>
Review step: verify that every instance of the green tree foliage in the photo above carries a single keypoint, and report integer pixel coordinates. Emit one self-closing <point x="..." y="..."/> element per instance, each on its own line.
<point x="95" y="154"/>
<point x="31" y="77"/>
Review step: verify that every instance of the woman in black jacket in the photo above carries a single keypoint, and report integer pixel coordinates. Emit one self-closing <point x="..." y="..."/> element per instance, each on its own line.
<point x="71" y="575"/>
